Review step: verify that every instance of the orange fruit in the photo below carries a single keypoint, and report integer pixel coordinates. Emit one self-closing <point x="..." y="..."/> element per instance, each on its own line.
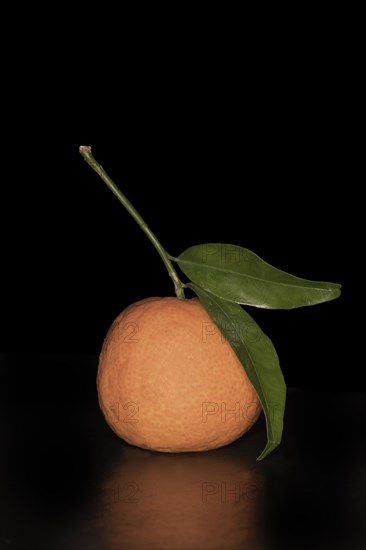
<point x="169" y="381"/>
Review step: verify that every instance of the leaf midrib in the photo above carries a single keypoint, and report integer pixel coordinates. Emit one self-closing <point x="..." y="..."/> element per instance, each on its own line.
<point x="225" y="270"/>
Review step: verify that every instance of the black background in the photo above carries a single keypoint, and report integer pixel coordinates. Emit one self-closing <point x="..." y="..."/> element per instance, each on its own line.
<point x="256" y="150"/>
<point x="237" y="130"/>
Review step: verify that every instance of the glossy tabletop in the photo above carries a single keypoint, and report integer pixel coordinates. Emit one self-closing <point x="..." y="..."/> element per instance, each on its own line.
<point x="67" y="482"/>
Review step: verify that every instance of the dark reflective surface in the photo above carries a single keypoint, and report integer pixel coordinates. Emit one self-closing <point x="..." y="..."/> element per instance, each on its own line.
<point x="150" y="500"/>
<point x="68" y="482"/>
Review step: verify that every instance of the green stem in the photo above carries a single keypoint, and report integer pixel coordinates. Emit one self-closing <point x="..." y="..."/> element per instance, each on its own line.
<point x="87" y="155"/>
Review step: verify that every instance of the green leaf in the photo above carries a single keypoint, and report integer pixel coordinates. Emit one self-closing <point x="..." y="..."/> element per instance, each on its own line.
<point x="258" y="357"/>
<point x="238" y="275"/>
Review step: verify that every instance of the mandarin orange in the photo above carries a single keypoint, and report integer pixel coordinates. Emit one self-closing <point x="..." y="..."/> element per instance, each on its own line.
<point x="169" y="381"/>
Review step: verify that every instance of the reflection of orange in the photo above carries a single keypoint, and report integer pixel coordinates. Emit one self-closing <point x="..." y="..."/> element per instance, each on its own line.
<point x="168" y="380"/>
<point x="187" y="501"/>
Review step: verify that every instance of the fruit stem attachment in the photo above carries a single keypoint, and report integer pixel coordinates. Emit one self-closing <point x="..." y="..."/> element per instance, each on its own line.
<point x="86" y="153"/>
